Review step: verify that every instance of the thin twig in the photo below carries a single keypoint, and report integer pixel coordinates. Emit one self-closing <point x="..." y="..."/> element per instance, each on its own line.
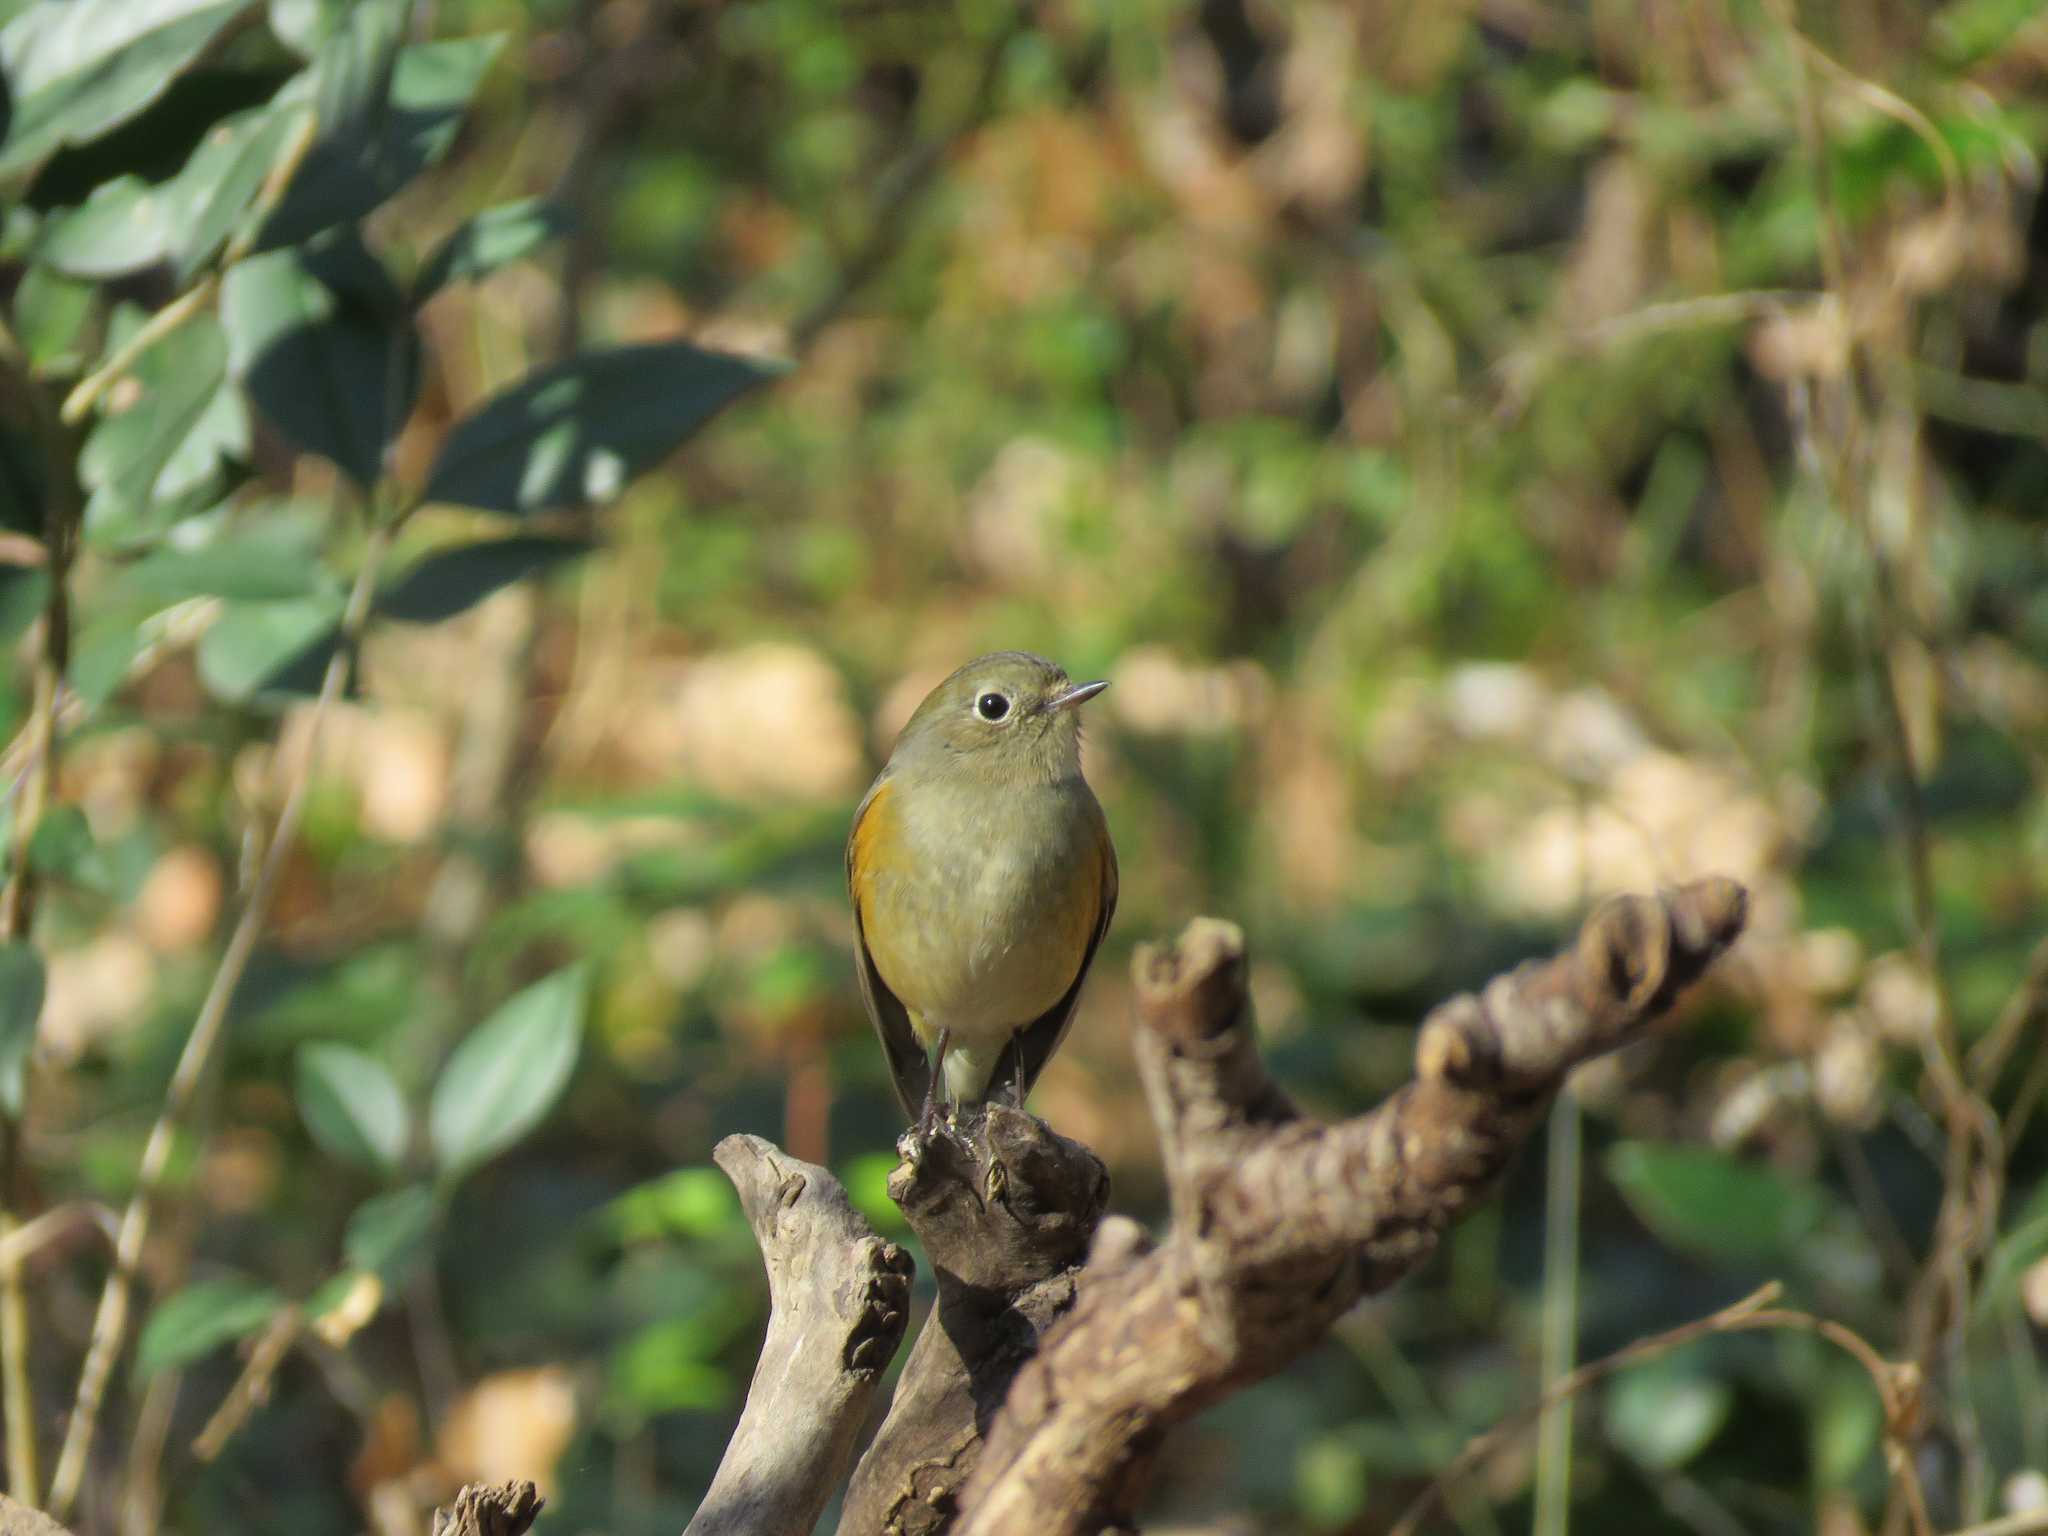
<point x="1897" y="1389"/>
<point x="252" y="1387"/>
<point x="110" y="1325"/>
<point x="87" y="392"/>
<point x="62" y="504"/>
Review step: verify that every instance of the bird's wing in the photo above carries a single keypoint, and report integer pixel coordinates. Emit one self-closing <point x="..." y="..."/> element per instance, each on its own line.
<point x="909" y="1069"/>
<point x="1033" y="1045"/>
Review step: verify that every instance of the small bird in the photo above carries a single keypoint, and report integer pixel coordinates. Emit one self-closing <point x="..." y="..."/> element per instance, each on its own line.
<point x="983" y="879"/>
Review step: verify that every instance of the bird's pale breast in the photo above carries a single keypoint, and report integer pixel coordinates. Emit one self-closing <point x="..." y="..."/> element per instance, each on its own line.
<point x="978" y="904"/>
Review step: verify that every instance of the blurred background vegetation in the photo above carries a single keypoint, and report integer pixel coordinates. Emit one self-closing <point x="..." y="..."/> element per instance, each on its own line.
<point x="1502" y="453"/>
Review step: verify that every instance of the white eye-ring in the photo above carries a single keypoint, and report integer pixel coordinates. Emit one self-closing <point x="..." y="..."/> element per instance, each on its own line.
<point x="992" y="706"/>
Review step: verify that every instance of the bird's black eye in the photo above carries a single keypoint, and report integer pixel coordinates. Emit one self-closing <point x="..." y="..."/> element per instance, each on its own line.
<point x="992" y="706"/>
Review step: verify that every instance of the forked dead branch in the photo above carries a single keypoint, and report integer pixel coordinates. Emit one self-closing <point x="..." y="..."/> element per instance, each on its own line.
<point x="1065" y="1345"/>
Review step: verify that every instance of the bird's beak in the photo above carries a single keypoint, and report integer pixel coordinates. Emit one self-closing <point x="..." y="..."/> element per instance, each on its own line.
<point x="1080" y="693"/>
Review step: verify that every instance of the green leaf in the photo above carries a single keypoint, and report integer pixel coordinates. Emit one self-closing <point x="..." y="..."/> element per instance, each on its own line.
<point x="578" y="432"/>
<point x="199" y="1319"/>
<point x="507" y="1074"/>
<point x="696" y="1203"/>
<point x="63" y="848"/>
<point x="385" y="119"/>
<point x="1966" y="31"/>
<point x="255" y="648"/>
<point x="161" y="455"/>
<point x="2023" y="1244"/>
<point x="124" y="226"/>
<point x="352" y="1106"/>
<point x="495" y="238"/>
<point x="1714" y="1207"/>
<point x="51" y="312"/>
<point x="245" y="565"/>
<point x="390" y="1234"/>
<point x="217" y="189"/>
<point x="322" y="342"/>
<point x="305" y="25"/>
<point x="1665" y="1413"/>
<point x="76" y="68"/>
<point x="21" y="1006"/>
<point x="451" y="581"/>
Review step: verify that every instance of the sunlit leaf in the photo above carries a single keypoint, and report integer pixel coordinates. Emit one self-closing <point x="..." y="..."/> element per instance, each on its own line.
<point x="1664" y="1414"/>
<point x="166" y="438"/>
<point x="504" y="1078"/>
<point x="352" y="1106"/>
<point x="199" y="1319"/>
<point x="495" y="238"/>
<point x="124" y="226"/>
<point x="581" y="431"/>
<point x="76" y="68"/>
<point x="50" y="314"/>
<point x="217" y="189"/>
<point x="249" y="647"/>
<point x="243" y="565"/>
<point x="21" y="1006"/>
<point x="689" y="1203"/>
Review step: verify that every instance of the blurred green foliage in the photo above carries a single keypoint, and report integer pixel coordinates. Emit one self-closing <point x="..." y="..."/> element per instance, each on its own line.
<point x="1501" y="455"/>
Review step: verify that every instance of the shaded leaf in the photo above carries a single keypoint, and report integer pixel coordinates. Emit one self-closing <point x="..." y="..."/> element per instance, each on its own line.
<point x="23" y="475"/>
<point x="388" y="117"/>
<point x="390" y="1234"/>
<point x="21" y="1007"/>
<point x="580" y="431"/>
<point x="1714" y="1207"/>
<point x="62" y="847"/>
<point x="76" y="68"/>
<point x="199" y="1319"/>
<point x="502" y="1079"/>
<point x="352" y="1106"/>
<point x="322" y="342"/>
<point x="253" y="648"/>
<point x="494" y="238"/>
<point x="451" y="581"/>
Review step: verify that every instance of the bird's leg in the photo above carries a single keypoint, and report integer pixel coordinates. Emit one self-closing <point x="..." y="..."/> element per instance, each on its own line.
<point x="1018" y="1057"/>
<point x="928" y="1117"/>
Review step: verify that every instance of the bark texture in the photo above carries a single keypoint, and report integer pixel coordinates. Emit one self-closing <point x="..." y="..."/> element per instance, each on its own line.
<point x="497" y="1509"/>
<point x="1281" y="1223"/>
<point x="1004" y="1208"/>
<point x="838" y="1298"/>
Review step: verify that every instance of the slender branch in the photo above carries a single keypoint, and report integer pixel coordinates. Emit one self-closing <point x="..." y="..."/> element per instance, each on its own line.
<point x="110" y="1324"/>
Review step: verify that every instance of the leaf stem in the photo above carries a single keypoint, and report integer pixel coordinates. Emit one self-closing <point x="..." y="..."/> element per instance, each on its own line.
<point x="62" y="505"/>
<point x="110" y="1324"/>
